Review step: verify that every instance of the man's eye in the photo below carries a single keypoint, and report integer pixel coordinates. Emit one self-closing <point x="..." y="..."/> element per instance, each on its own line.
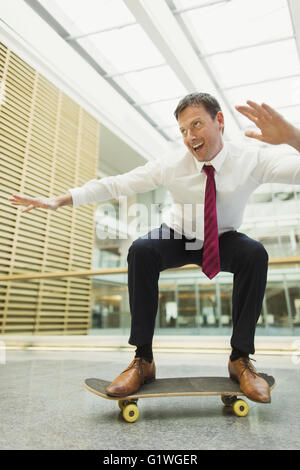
<point x="197" y="124"/>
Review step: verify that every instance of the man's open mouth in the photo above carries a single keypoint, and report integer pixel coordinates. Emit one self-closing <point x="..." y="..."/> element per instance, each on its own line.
<point x="197" y="146"/>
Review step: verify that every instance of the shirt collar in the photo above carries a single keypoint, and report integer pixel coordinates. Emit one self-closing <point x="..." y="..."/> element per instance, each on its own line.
<point x="217" y="161"/>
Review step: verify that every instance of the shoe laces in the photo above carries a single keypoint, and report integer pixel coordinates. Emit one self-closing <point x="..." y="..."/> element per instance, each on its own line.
<point x="248" y="366"/>
<point x="137" y="361"/>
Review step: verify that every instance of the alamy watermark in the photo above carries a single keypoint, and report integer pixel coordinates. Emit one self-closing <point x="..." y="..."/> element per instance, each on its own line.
<point x="123" y="222"/>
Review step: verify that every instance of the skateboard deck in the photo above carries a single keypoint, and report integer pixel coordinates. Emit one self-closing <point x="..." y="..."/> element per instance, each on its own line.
<point x="228" y="389"/>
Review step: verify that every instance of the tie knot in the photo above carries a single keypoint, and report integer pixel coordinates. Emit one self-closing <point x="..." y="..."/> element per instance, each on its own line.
<point x="209" y="170"/>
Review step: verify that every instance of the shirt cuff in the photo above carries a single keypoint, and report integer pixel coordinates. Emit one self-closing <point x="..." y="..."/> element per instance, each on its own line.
<point x="75" y="193"/>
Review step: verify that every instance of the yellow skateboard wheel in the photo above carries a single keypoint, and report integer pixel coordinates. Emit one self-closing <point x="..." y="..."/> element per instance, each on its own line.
<point x="121" y="404"/>
<point x="131" y="413"/>
<point x="240" y="408"/>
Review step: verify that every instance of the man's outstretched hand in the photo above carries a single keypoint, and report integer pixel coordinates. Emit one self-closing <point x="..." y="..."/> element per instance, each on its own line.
<point x="34" y="202"/>
<point x="274" y="129"/>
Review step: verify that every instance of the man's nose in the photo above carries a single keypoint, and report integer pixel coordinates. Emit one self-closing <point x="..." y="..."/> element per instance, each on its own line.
<point x="190" y="135"/>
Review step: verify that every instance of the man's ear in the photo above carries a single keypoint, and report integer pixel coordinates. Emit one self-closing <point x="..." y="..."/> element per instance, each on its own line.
<point x="220" y="118"/>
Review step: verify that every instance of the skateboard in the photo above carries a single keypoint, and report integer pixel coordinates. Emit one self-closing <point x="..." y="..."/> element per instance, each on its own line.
<point x="225" y="387"/>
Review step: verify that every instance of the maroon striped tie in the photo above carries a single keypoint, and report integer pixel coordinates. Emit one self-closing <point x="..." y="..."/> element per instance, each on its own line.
<point x="211" y="256"/>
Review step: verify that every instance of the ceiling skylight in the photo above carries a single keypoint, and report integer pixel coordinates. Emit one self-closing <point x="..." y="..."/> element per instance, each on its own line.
<point x="235" y="24"/>
<point x="123" y="50"/>
<point x="162" y="112"/>
<point x="278" y="93"/>
<point x="82" y="17"/>
<point x="152" y="84"/>
<point x="256" y="64"/>
<point x="248" y="49"/>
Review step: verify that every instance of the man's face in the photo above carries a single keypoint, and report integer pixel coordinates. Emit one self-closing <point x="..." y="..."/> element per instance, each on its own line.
<point x="201" y="134"/>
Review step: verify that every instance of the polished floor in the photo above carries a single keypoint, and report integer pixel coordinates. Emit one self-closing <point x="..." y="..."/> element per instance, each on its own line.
<point x="45" y="406"/>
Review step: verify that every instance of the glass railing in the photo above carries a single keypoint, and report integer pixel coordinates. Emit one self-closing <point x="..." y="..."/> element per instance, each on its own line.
<point x="96" y="301"/>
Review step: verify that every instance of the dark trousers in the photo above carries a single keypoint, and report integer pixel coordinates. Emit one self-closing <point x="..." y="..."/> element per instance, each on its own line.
<point x="162" y="248"/>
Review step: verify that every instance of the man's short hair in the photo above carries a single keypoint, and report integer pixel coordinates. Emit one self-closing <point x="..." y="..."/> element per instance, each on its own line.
<point x="209" y="102"/>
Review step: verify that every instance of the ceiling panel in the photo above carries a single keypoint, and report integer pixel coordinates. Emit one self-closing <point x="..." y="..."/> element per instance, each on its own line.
<point x="152" y="85"/>
<point x="117" y="50"/>
<point x="191" y="3"/>
<point x="278" y="93"/>
<point x="89" y="15"/>
<point x="163" y="112"/>
<point x="238" y="23"/>
<point x="291" y="113"/>
<point x="173" y="133"/>
<point x="247" y="47"/>
<point x="256" y="64"/>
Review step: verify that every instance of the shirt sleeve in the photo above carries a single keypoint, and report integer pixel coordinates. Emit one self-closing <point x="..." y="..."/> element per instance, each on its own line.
<point x="142" y="179"/>
<point x="277" y="168"/>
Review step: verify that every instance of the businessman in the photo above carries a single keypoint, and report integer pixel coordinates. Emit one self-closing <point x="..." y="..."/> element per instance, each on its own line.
<point x="210" y="185"/>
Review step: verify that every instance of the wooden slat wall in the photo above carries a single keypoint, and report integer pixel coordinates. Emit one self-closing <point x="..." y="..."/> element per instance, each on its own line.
<point x="47" y="144"/>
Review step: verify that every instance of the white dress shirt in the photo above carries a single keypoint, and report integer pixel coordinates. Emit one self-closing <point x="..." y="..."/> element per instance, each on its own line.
<point x="239" y="170"/>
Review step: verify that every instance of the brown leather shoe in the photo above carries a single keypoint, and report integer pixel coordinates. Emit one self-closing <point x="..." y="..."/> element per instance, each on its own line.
<point x="130" y="380"/>
<point x="254" y="387"/>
